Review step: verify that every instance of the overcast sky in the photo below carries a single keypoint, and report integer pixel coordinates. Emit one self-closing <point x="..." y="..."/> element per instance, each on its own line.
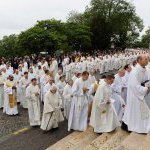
<point x="18" y="15"/>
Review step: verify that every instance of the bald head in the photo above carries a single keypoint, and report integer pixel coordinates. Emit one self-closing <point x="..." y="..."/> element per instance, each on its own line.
<point x="142" y="60"/>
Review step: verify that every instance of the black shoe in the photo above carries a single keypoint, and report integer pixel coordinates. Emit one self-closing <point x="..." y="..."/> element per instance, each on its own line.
<point x="125" y="127"/>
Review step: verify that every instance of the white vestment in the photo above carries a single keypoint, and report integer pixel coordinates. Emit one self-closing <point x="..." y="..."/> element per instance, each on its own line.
<point x="23" y="85"/>
<point x="33" y="104"/>
<point x="137" y="113"/>
<point x="9" y="91"/>
<point x="2" y="81"/>
<point x="43" y="81"/>
<point x="117" y="96"/>
<point x="78" y="117"/>
<point x="52" y="114"/>
<point x="103" y="122"/>
<point x="67" y="100"/>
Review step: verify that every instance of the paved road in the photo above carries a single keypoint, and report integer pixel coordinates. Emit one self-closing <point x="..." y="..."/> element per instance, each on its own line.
<point x="9" y="124"/>
<point x="34" y="139"/>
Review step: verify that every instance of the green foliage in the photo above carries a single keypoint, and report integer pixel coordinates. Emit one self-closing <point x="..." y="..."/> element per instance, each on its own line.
<point x="52" y="35"/>
<point x="9" y="46"/>
<point x="110" y="20"/>
<point x="145" y="42"/>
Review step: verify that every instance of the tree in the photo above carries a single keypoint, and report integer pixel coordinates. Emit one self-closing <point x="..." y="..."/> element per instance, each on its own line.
<point x="44" y="36"/>
<point x="78" y="36"/>
<point x="54" y="35"/>
<point x="146" y="39"/>
<point x="111" y="21"/>
<point x="9" y="46"/>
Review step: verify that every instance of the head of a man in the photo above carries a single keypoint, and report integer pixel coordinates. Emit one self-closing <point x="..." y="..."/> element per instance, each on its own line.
<point x="85" y="76"/>
<point x="31" y="70"/>
<point x="59" y="72"/>
<point x="70" y="82"/>
<point x="142" y="60"/>
<point x="39" y="67"/>
<point x="34" y="81"/>
<point x="121" y="72"/>
<point x="51" y="80"/>
<point x="16" y="71"/>
<point x="26" y="75"/>
<point x="62" y="78"/>
<point x="110" y="79"/>
<point x="128" y="68"/>
<point x="11" y="78"/>
<point x="53" y="89"/>
<point x="47" y="72"/>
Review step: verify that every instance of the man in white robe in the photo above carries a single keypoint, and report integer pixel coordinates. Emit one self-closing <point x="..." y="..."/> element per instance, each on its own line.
<point x="58" y="76"/>
<point x="104" y="117"/>
<point x="10" y="99"/>
<point x="43" y="81"/>
<point x="67" y="95"/>
<point x="33" y="97"/>
<point x="137" y="112"/>
<point x="2" y="81"/>
<point x="52" y="114"/>
<point x="125" y="80"/>
<point x="92" y="78"/>
<point x="78" y="117"/>
<point x="60" y="85"/>
<point x="17" y="77"/>
<point x="117" y="88"/>
<point x="54" y="67"/>
<point x="23" y="84"/>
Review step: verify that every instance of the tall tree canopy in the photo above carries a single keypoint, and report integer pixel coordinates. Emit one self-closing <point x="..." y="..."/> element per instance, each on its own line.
<point x="52" y="35"/>
<point x="110" y="20"/>
<point x="145" y="42"/>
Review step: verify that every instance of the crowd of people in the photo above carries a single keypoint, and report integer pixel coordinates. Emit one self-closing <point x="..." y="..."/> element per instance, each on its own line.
<point x="67" y="88"/>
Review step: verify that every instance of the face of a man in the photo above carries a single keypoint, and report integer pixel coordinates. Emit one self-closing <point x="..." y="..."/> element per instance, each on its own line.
<point x="17" y="72"/>
<point x="85" y="77"/>
<point x="51" y="81"/>
<point x="34" y="82"/>
<point x="26" y="76"/>
<point x="63" y="79"/>
<point x="121" y="73"/>
<point x="144" y="61"/>
<point x="53" y="91"/>
<point x="70" y="82"/>
<point x="110" y="81"/>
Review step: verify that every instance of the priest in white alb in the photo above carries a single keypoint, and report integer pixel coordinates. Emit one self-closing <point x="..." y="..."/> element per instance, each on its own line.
<point x="33" y="97"/>
<point x="2" y="81"/>
<point x="10" y="97"/>
<point x="104" y="117"/>
<point x="67" y="94"/>
<point x="117" y="89"/>
<point x="137" y="112"/>
<point x="52" y="114"/>
<point x="78" y="117"/>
